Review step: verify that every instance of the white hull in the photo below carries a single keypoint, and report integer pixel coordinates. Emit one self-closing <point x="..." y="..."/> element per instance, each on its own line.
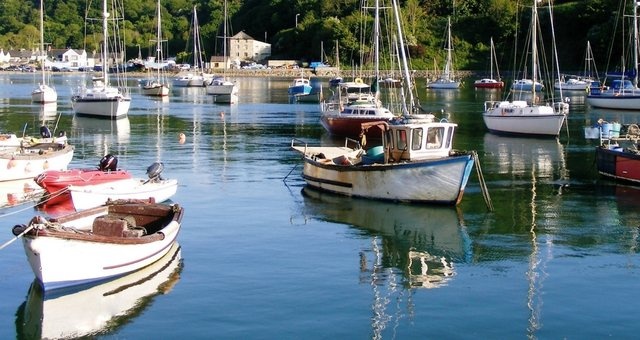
<point x="192" y="80"/>
<point x="224" y="89"/>
<point x="89" y="196"/>
<point x="44" y="94"/>
<point x="48" y="316"/>
<point x="444" y="84"/>
<point x="621" y="102"/>
<point x="508" y="118"/>
<point x="155" y="90"/>
<point x="431" y="181"/>
<point x="101" y="102"/>
<point x="60" y="263"/>
<point x="29" y="163"/>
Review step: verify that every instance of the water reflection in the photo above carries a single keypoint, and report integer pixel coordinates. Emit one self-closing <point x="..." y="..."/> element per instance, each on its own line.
<point x="519" y="156"/>
<point x="412" y="247"/>
<point x="99" y="310"/>
<point x="13" y="193"/>
<point x="107" y="136"/>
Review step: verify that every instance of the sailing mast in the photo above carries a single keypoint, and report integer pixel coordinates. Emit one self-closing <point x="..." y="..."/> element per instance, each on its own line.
<point x="534" y="48"/>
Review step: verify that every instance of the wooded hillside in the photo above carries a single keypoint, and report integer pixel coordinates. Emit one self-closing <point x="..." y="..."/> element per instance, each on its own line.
<point x="331" y="23"/>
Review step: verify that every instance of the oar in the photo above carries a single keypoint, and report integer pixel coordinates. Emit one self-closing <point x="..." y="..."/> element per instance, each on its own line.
<point x="17" y="237"/>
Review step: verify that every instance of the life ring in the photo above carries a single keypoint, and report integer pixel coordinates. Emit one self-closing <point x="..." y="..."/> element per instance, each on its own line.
<point x="359" y="81"/>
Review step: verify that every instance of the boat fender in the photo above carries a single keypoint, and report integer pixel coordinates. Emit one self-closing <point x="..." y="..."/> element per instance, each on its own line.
<point x="504" y="112"/>
<point x="108" y="163"/>
<point x="45" y="132"/>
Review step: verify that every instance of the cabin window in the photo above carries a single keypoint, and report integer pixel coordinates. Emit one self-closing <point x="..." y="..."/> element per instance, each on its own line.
<point x="402" y="140"/>
<point x="416" y="139"/>
<point x="449" y="133"/>
<point x="434" y="137"/>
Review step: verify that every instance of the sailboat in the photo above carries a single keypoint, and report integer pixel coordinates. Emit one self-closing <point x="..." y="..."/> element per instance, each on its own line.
<point x="579" y="83"/>
<point x="196" y="77"/>
<point x="490" y="83"/>
<point x="356" y="102"/>
<point x="623" y="94"/>
<point x="447" y="78"/>
<point x="104" y="100"/>
<point x="157" y="86"/>
<point x="520" y="117"/>
<point x="43" y="93"/>
<point x="224" y="91"/>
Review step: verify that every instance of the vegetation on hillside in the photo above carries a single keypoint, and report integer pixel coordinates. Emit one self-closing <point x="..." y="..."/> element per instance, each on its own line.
<point x="303" y="29"/>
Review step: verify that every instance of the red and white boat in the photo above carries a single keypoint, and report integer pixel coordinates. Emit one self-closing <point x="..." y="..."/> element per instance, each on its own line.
<point x="56" y="182"/>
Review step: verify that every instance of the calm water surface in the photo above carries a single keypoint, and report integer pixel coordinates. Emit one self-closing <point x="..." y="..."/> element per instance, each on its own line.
<point x="259" y="257"/>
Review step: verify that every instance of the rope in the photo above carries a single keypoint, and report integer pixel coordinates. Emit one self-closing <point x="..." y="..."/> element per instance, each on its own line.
<point x="17" y="237"/>
<point x="32" y="206"/>
<point x="483" y="183"/>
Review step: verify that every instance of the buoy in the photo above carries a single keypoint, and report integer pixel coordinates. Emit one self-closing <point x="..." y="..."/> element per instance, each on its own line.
<point x="45" y="165"/>
<point x="182" y="138"/>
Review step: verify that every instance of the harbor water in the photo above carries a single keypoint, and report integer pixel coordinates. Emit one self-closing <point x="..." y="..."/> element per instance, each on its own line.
<point x="260" y="256"/>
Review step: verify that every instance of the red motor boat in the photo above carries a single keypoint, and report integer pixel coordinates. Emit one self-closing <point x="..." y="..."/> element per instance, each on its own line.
<point x="55" y="182"/>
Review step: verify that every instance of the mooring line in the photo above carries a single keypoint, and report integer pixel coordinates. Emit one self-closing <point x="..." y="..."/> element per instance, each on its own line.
<point x="483" y="183"/>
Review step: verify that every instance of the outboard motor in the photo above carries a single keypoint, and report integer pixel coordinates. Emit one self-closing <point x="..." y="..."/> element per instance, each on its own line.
<point x="108" y="163"/>
<point x="45" y="132"/>
<point x="154" y="170"/>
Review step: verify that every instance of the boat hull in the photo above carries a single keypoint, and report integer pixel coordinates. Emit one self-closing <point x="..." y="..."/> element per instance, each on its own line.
<point x="44" y="94"/>
<point x="620" y="102"/>
<point x="439" y="181"/>
<point x="527" y="120"/>
<point x="155" y="90"/>
<point x="57" y="181"/>
<point x="89" y="196"/>
<point x="339" y="125"/>
<point x="31" y="162"/>
<point x="60" y="262"/>
<point x="488" y="84"/>
<point x="618" y="164"/>
<point x="109" y="108"/>
<point x="444" y="84"/>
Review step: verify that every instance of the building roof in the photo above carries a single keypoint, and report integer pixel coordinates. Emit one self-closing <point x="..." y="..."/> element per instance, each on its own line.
<point x="242" y="36"/>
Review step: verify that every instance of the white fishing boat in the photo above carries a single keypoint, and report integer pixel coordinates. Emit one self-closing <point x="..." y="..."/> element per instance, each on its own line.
<point x="522" y="117"/>
<point x="222" y="89"/>
<point x="447" y="79"/>
<point x="415" y="163"/>
<point x="157" y="85"/>
<point x="99" y="244"/>
<point x="43" y="93"/>
<point x="154" y="187"/>
<point x="104" y="100"/>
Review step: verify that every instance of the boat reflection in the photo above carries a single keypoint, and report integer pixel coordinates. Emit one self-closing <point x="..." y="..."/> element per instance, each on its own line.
<point x="13" y="193"/>
<point x="411" y="247"/>
<point x="520" y="156"/>
<point x="620" y="116"/>
<point x="103" y="132"/>
<point x="99" y="310"/>
<point x="423" y="242"/>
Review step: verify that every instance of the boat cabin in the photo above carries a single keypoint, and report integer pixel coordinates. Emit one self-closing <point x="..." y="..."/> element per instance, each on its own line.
<point x="416" y="139"/>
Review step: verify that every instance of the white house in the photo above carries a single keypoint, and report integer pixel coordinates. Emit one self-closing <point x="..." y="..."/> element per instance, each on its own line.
<point x="4" y="57"/>
<point x="70" y="58"/>
<point x="242" y="47"/>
